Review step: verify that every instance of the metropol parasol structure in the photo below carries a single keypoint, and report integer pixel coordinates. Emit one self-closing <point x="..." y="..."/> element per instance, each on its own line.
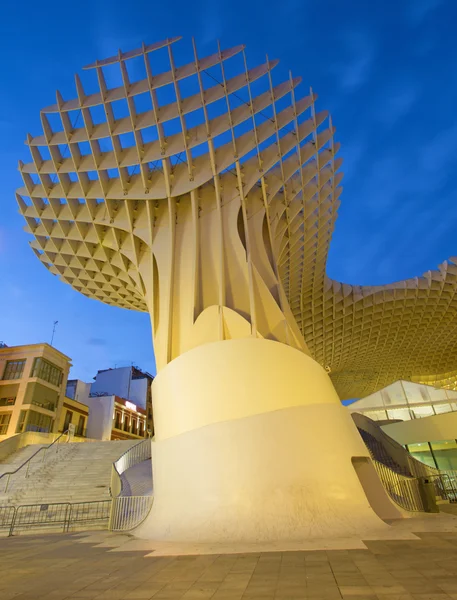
<point x="206" y="194"/>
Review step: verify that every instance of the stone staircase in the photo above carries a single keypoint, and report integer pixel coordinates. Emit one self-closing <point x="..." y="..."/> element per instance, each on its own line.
<point x="18" y="458"/>
<point x="71" y="472"/>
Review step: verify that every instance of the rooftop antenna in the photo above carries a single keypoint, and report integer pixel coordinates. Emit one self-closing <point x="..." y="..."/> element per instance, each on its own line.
<point x="130" y="381"/>
<point x="53" y="331"/>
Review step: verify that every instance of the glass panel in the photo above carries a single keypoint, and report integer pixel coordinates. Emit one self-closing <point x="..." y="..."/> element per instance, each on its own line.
<point x="437" y="394"/>
<point x="118" y="421"/>
<point x="4" y="422"/>
<point x="21" y="421"/>
<point x="422" y="452"/>
<point x="422" y="411"/>
<point x="415" y="392"/>
<point x="47" y="371"/>
<point x="403" y="414"/>
<point x="14" y="369"/>
<point x="442" y="408"/>
<point x="394" y="395"/>
<point x="7" y="401"/>
<point x="67" y="420"/>
<point x="371" y="401"/>
<point x="445" y="452"/>
<point x="376" y="415"/>
<point x="38" y="422"/>
<point x="80" y="429"/>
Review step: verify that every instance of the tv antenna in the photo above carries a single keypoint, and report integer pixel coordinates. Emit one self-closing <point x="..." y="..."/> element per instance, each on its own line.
<point x="53" y="331"/>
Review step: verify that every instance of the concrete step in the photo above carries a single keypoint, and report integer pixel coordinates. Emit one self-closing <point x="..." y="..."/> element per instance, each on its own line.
<point x="73" y="472"/>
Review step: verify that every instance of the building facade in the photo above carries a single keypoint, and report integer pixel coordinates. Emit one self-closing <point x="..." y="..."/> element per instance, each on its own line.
<point x="114" y="418"/>
<point x="32" y="388"/>
<point x="130" y="383"/>
<point x="77" y="390"/>
<point x="74" y="415"/>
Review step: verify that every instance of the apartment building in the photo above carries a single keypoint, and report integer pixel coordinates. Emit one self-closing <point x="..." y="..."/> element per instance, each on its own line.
<point x="32" y="388"/>
<point x="130" y="383"/>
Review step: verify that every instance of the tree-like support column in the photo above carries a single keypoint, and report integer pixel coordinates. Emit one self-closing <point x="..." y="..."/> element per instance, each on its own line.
<point x="251" y="440"/>
<point x="252" y="444"/>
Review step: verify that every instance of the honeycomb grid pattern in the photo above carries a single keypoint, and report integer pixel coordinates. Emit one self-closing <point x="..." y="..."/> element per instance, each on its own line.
<point x="92" y="191"/>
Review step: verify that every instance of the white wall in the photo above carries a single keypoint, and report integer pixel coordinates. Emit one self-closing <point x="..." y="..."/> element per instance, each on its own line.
<point x="139" y="391"/>
<point x="100" y="420"/>
<point x="82" y="391"/>
<point x="428" y="429"/>
<point x="115" y="381"/>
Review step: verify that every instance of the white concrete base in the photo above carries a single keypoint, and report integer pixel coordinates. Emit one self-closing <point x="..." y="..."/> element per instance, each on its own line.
<point x="275" y="468"/>
<point x="402" y="529"/>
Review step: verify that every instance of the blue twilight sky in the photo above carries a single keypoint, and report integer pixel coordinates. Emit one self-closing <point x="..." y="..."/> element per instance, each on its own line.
<point x="387" y="71"/>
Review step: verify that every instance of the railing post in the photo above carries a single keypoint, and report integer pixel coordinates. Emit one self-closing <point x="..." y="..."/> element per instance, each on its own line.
<point x="66" y="524"/>
<point x="13" y="521"/>
<point x="111" y="515"/>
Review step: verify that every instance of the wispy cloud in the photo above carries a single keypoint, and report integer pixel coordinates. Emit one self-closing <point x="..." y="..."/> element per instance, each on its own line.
<point x="436" y="155"/>
<point x="94" y="341"/>
<point x="212" y="22"/>
<point x="359" y="51"/>
<point x="418" y="10"/>
<point x="397" y="103"/>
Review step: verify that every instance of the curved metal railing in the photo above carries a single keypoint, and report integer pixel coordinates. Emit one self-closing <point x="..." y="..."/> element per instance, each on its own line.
<point x="131" y="457"/>
<point x="403" y="490"/>
<point x="27" y="462"/>
<point x="444" y="481"/>
<point x="416" y="467"/>
<point x="127" y="512"/>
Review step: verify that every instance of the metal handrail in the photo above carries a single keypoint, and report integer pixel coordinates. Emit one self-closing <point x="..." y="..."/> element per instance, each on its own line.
<point x="416" y="467"/>
<point x="62" y="514"/>
<point x="128" y="512"/>
<point x="28" y="461"/>
<point x="403" y="490"/>
<point x="131" y="457"/>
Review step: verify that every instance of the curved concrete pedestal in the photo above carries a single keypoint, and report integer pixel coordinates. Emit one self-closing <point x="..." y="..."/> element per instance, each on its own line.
<point x="252" y="444"/>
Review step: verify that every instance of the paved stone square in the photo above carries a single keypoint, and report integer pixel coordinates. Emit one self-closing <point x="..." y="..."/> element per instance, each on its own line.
<point x="59" y="566"/>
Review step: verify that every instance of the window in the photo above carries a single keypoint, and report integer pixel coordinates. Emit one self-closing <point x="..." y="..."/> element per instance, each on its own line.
<point x="4" y="422"/>
<point x="7" y="401"/>
<point x="134" y="426"/>
<point x="38" y="422"/>
<point x="117" y="424"/>
<point x="41" y="395"/>
<point x="67" y="421"/>
<point x="44" y="404"/>
<point x="47" y="371"/>
<point x="126" y="423"/>
<point x="80" y="429"/>
<point x="21" y="421"/>
<point x="141" y="429"/>
<point x="14" y="369"/>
